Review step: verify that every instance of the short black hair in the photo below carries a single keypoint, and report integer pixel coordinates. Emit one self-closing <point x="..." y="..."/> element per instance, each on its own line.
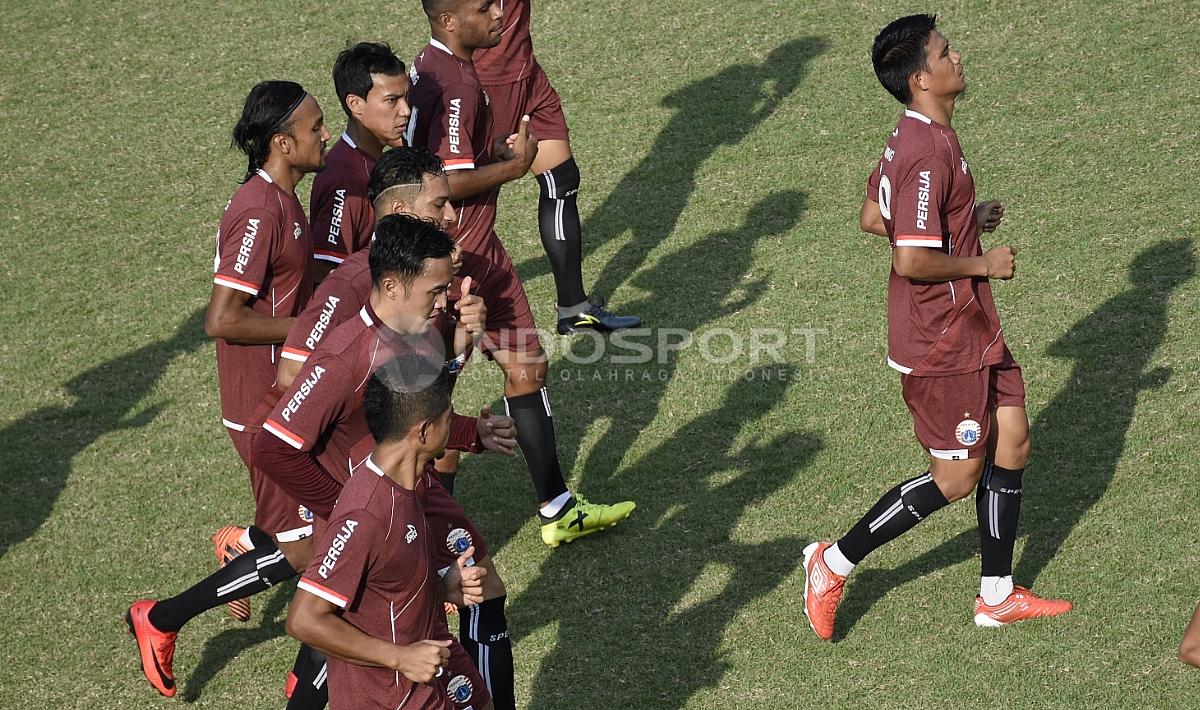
<point x="407" y="389"/>
<point x="899" y="52"/>
<point x="401" y="246"/>
<point x="267" y="112"/>
<point x="433" y="8"/>
<point x="402" y="166"/>
<point x="354" y="66"/>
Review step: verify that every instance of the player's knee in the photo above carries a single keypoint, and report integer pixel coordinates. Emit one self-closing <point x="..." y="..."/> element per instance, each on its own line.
<point x="298" y="554"/>
<point x="959" y="480"/>
<point x="1189" y="652"/>
<point x="561" y="181"/>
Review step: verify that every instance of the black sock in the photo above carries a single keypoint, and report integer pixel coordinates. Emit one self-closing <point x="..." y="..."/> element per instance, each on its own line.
<point x="483" y="632"/>
<point x="558" y="222"/>
<point x="245" y="575"/>
<point x="535" y="437"/>
<point x="311" y="691"/>
<point x="897" y="512"/>
<point x="998" y="506"/>
<point x="446" y="478"/>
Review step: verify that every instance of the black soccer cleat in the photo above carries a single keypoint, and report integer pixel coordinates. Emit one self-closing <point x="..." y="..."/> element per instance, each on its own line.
<point x="596" y="318"/>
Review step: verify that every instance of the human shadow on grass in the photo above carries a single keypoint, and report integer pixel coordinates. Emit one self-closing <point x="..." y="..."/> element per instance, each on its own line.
<point x="1079" y="437"/>
<point x="223" y="648"/>
<point x="641" y="610"/>
<point x="720" y="110"/>
<point x="39" y="447"/>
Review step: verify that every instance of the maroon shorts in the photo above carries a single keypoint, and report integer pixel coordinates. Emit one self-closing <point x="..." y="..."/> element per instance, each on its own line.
<point x="952" y="413"/>
<point x="453" y="531"/>
<point x="275" y="512"/>
<point x="532" y="95"/>
<point x="510" y="323"/>
<point x="462" y="682"/>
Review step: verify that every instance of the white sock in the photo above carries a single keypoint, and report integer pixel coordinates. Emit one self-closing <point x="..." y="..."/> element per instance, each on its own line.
<point x="994" y="589"/>
<point x="552" y="508"/>
<point x="837" y="562"/>
<point x="245" y="540"/>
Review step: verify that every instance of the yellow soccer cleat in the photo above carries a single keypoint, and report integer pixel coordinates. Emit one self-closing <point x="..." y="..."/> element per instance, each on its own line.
<point x="583" y="518"/>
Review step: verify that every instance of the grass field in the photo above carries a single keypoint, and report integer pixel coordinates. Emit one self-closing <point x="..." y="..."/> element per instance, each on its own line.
<point x="724" y="148"/>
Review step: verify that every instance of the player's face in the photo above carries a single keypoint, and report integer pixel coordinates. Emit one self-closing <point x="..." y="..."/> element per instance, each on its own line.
<point x="945" y="76"/>
<point x="479" y="23"/>
<point x="433" y="201"/>
<point x="385" y="111"/>
<point x="426" y="297"/>
<point x="437" y="434"/>
<point x="308" y="136"/>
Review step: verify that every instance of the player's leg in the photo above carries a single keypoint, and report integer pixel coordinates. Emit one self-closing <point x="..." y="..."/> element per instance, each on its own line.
<point x="447" y="469"/>
<point x="307" y="687"/>
<point x="1189" y="647"/>
<point x="483" y="631"/>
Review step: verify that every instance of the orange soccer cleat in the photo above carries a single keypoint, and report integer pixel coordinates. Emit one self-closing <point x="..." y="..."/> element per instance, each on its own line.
<point x="226" y="546"/>
<point x="822" y="590"/>
<point x="1022" y="604"/>
<point x="157" y="648"/>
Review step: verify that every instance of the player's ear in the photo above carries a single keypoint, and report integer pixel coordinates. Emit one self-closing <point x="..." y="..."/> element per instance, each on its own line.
<point x="356" y="104"/>
<point x="281" y="142"/>
<point x="423" y="433"/>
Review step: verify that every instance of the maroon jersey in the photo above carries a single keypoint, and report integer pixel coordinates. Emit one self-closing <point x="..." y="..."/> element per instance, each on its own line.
<point x="263" y="249"/>
<point x="375" y="560"/>
<point x="342" y="216"/>
<point x="927" y="198"/>
<point x="322" y="411"/>
<point x="450" y="117"/>
<point x="512" y="60"/>
<point x="339" y="297"/>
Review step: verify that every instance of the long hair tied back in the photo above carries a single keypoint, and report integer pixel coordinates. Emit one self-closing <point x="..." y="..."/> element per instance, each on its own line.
<point x="269" y="107"/>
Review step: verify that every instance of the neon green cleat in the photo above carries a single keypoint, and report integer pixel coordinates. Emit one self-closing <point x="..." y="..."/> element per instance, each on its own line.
<point x="584" y="518"/>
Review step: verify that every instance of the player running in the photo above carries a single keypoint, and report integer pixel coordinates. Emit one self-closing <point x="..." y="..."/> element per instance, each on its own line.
<point x="372" y="85"/>
<point x="517" y="86"/>
<point x="261" y="282"/>
<point x="958" y="378"/>
<point x="451" y="117"/>
<point x="371" y="602"/>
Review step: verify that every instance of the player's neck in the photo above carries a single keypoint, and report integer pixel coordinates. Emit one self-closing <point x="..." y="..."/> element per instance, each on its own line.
<point x="392" y="316"/>
<point x="363" y="139"/>
<point x="455" y="46"/>
<point x="282" y="174"/>
<point x="938" y="110"/>
<point x="401" y="461"/>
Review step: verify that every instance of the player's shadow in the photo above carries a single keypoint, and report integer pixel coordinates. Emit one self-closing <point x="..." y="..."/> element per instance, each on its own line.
<point x="1079" y="437"/>
<point x="39" y="447"/>
<point x="221" y="649"/>
<point x="641" y="613"/>
<point x="719" y="110"/>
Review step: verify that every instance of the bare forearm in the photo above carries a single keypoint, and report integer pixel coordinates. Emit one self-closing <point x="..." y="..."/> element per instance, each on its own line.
<point x="924" y="264"/>
<point x="468" y="183"/>
<point x="334" y="636"/>
<point x="243" y="324"/>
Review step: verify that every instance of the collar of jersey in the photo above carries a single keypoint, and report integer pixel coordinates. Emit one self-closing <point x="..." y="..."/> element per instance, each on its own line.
<point x="368" y="316"/>
<point x="434" y="43"/>
<point x="378" y="471"/>
<point x="348" y="140"/>
<point x="265" y="176"/>
<point x="917" y="115"/>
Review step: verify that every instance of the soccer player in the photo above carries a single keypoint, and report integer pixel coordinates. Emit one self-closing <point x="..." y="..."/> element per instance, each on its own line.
<point x="958" y="378"/>
<point x="316" y="436"/>
<point x="262" y="281"/>
<point x="1189" y="647"/>
<point x="372" y="85"/>
<point x="371" y="602"/>
<point x="451" y="117"/>
<point x="517" y="86"/>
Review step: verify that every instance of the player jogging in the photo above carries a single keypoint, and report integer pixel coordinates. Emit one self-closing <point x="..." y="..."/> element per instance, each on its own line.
<point x="958" y="378"/>
<point x="262" y="281"/>
<point x="517" y="86"/>
<point x="371" y="602"/>
<point x="372" y="85"/>
<point x="451" y="117"/>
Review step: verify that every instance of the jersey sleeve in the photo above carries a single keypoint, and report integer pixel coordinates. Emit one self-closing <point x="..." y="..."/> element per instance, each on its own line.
<point x="464" y="434"/>
<point x="317" y="398"/>
<point x="343" y="557"/>
<point x="245" y="243"/>
<point x="332" y="304"/>
<point x="453" y="114"/>
<point x="918" y="203"/>
<point x="339" y="214"/>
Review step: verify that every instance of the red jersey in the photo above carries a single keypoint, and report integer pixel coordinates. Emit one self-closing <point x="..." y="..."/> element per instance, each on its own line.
<point x="339" y="297"/>
<point x="343" y="219"/>
<point x="375" y="560"/>
<point x="450" y="117"/>
<point x="512" y="60"/>
<point x="263" y="249"/>
<point x="927" y="198"/>
<point x="322" y="414"/>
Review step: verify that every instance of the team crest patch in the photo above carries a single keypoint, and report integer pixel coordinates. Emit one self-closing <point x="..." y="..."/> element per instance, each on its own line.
<point x="458" y="541"/>
<point x="305" y="514"/>
<point x="967" y="432"/>
<point x="460" y="689"/>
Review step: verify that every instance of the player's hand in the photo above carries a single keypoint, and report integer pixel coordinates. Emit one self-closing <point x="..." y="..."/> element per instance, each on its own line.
<point x="1001" y="262"/>
<point x="463" y="582"/>
<point x="523" y="148"/>
<point x="989" y="214"/>
<point x="497" y="433"/>
<point x="472" y="319"/>
<point x="422" y="661"/>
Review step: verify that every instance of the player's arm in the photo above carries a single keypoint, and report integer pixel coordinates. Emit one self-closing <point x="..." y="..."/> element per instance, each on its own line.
<point x="870" y="219"/>
<point x="512" y="164"/>
<point x="1189" y="648"/>
<point x="230" y="317"/>
<point x="928" y="264"/>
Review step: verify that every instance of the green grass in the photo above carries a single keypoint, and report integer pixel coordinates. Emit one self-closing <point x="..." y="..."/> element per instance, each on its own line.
<point x="724" y="148"/>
